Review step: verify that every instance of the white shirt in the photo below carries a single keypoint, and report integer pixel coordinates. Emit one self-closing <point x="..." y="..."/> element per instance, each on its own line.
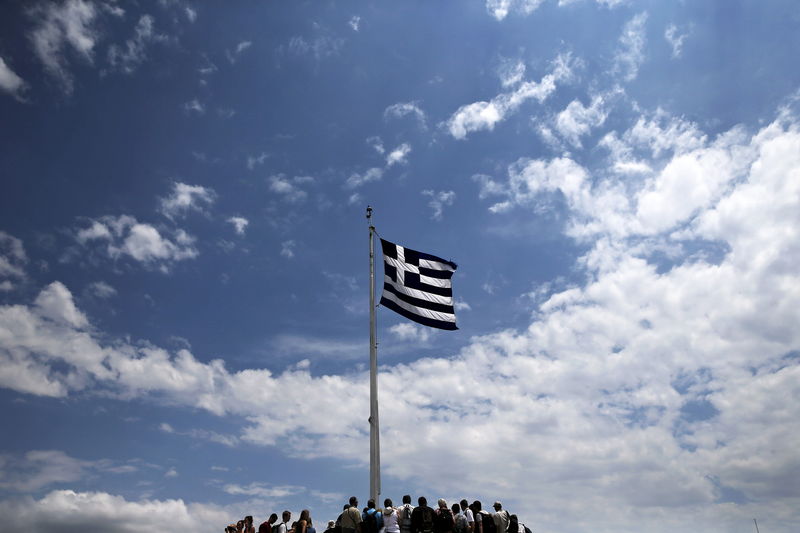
<point x="390" y="521"/>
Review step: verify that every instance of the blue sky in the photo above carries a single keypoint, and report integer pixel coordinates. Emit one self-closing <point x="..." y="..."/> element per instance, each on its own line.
<point x="184" y="266"/>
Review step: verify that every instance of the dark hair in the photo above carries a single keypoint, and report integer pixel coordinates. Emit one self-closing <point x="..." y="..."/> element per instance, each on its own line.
<point x="273" y="517"/>
<point x="477" y="506"/>
<point x="305" y="514"/>
<point x="456" y="509"/>
<point x="353" y="500"/>
<point x="422" y="500"/>
<point x="370" y="504"/>
<point x="464" y="503"/>
<point x="248" y="518"/>
<point x="346" y="507"/>
<point x="407" y="498"/>
<point x="387" y="502"/>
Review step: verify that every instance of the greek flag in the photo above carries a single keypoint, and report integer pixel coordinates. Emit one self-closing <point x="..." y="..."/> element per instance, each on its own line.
<point x="417" y="286"/>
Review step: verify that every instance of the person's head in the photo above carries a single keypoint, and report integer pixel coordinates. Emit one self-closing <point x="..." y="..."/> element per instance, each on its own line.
<point x="305" y="514"/>
<point x="497" y="506"/>
<point x="248" y="520"/>
<point x="456" y="509"/>
<point x="387" y="503"/>
<point x="331" y="524"/>
<point x="230" y="529"/>
<point x="273" y="518"/>
<point x="370" y="504"/>
<point x="476" y="506"/>
<point x="346" y="507"/>
<point x="353" y="501"/>
<point x="407" y="499"/>
<point x="286" y="516"/>
<point x="240" y="525"/>
<point x="513" y="519"/>
<point x="422" y="501"/>
<point x="442" y="503"/>
<point x="464" y="504"/>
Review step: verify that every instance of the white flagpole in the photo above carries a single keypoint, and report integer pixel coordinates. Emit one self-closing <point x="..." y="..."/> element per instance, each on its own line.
<point x="374" y="432"/>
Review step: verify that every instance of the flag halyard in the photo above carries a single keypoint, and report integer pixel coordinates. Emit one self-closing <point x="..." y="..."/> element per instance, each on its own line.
<point x="418" y="286"/>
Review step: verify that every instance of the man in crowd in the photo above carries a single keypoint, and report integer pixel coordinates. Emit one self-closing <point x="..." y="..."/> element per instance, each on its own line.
<point x="467" y="512"/>
<point x="422" y="517"/>
<point x="404" y="518"/>
<point x="266" y="526"/>
<point x="371" y="520"/>
<point x="351" y="517"/>
<point x="283" y="527"/>
<point x="501" y="518"/>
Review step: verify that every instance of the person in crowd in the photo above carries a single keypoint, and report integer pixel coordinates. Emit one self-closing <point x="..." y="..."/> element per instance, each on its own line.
<point x="283" y="527"/>
<point x="230" y="528"/>
<point x="484" y="522"/>
<point x="501" y="518"/>
<point x="514" y="526"/>
<point x="304" y="522"/>
<point x="240" y="526"/>
<point x="338" y="524"/>
<point x="371" y="520"/>
<point x="460" y="520"/>
<point x="248" y="524"/>
<point x="351" y="517"/>
<point x="468" y="516"/>
<point x="422" y="517"/>
<point x="391" y="518"/>
<point x="331" y="526"/>
<point x="445" y="521"/>
<point x="266" y="526"/>
<point x="404" y="514"/>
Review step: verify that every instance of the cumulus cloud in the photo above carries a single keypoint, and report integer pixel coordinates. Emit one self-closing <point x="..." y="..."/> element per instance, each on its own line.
<point x="630" y="55"/>
<point x="287" y="249"/>
<point x="675" y="40"/>
<point x="358" y="179"/>
<point x="406" y="331"/>
<point x="11" y="82"/>
<point x="129" y="56"/>
<point x="83" y="511"/>
<point x="398" y="155"/>
<point x="499" y="9"/>
<point x="37" y="469"/>
<point x="194" y="106"/>
<point x="124" y="236"/>
<point x="485" y="115"/>
<point x="185" y="198"/>
<point x="402" y="109"/>
<point x="12" y="261"/>
<point x="289" y="189"/>
<point x="239" y="224"/>
<point x="61" y="26"/>
<point x="438" y="201"/>
<point x="241" y="48"/>
<point x="577" y="120"/>
<point x="354" y="22"/>
<point x="101" y="289"/>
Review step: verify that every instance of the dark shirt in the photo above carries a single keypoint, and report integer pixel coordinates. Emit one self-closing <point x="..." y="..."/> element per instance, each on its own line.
<point x="266" y="527"/>
<point x="416" y="518"/>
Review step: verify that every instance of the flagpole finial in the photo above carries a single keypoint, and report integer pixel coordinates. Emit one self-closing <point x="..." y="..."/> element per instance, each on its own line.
<point x="369" y="212"/>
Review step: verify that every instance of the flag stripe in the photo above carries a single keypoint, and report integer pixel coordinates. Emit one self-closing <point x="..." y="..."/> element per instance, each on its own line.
<point x="435" y="282"/>
<point x="431" y="273"/>
<point x="414" y="313"/>
<point x="417" y="293"/>
<point x="402" y="294"/>
<point x="412" y="281"/>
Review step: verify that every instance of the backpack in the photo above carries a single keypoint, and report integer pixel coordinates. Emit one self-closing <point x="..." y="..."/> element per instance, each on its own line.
<point x="461" y="523"/>
<point x="426" y="519"/>
<point x="370" y="524"/>
<point x="487" y="522"/>
<point x="405" y="518"/>
<point x="444" y="520"/>
<point x="527" y="529"/>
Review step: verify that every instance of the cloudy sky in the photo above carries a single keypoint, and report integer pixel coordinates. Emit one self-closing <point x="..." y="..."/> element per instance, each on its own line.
<point x="184" y="260"/>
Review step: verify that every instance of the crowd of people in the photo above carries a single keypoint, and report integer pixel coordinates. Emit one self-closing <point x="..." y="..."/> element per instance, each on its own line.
<point x="462" y="517"/>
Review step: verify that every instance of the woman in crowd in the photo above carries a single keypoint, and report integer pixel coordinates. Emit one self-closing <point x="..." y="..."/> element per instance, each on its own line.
<point x="303" y="524"/>
<point x="390" y="517"/>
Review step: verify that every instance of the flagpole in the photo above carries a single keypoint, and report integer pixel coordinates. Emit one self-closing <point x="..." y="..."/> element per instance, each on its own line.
<point x="374" y="432"/>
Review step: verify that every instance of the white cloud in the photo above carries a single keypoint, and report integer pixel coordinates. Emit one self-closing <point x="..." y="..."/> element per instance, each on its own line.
<point x="499" y="9"/>
<point x="485" y="115"/>
<point x="287" y="249"/>
<point x="289" y="189"/>
<point x="191" y="14"/>
<point x="461" y="305"/>
<point x="255" y="160"/>
<point x="377" y="144"/>
<point x="185" y="198"/>
<point x="511" y="72"/>
<point x="37" y="469"/>
<point x="438" y="201"/>
<point x="11" y="82"/>
<point x="83" y="511"/>
<point x="239" y="224"/>
<point x="194" y="106"/>
<point x="101" y="289"/>
<point x="302" y="346"/>
<point x="398" y="155"/>
<point x="59" y="25"/>
<point x="630" y="55"/>
<point x="675" y="40"/>
<point x="406" y="331"/>
<point x="354" y="22"/>
<point x="357" y="180"/>
<point x="133" y="53"/>
<point x="577" y="120"/>
<point x="122" y="236"/>
<point x="238" y="51"/>
<point x="402" y="109"/>
<point x="321" y="46"/>
<point x="12" y="261"/>
<point x="172" y="472"/>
